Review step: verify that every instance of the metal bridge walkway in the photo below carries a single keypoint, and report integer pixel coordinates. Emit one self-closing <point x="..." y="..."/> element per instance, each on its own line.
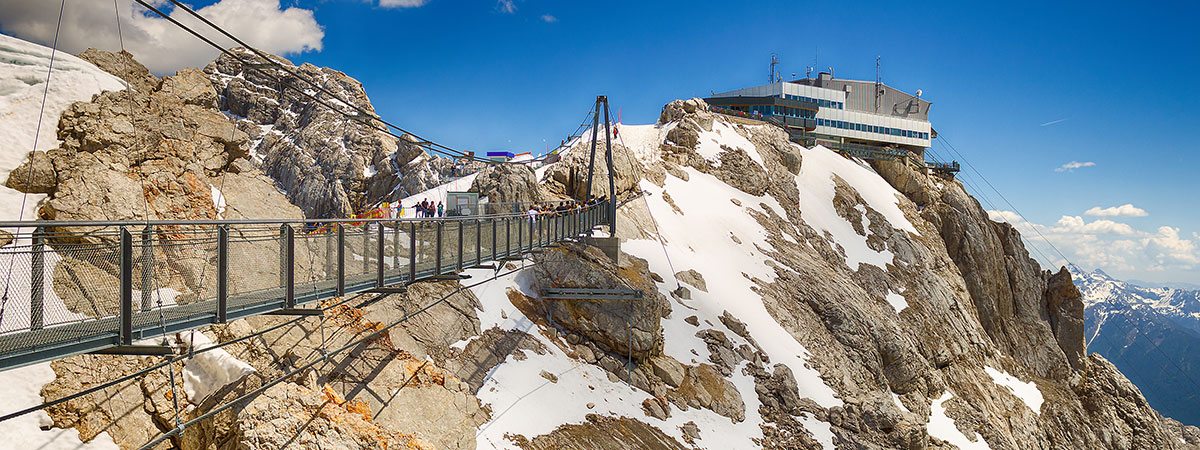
<point x="76" y="287"/>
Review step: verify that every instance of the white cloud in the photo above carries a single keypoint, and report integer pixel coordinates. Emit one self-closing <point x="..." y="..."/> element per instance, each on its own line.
<point x="506" y="6"/>
<point x="1126" y="210"/>
<point x="1076" y="224"/>
<point x="1110" y="245"/>
<point x="402" y="3"/>
<point x="549" y="18"/>
<point x="1071" y="166"/>
<point x="155" y="42"/>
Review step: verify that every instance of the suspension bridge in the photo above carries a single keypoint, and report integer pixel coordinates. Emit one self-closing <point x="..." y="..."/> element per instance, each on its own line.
<point x="121" y="287"/>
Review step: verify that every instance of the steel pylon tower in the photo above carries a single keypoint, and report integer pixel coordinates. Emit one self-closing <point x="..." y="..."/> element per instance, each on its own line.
<point x="602" y="102"/>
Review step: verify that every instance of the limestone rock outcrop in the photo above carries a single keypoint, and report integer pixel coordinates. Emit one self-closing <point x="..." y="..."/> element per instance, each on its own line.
<point x="332" y="165"/>
<point x="568" y="177"/>
<point x="507" y="183"/>
<point x="624" y="328"/>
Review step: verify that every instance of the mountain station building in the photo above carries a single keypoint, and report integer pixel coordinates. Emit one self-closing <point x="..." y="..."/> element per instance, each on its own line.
<point x="867" y="119"/>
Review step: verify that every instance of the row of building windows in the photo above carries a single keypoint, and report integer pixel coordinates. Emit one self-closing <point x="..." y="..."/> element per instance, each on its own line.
<point x="872" y="128"/>
<point x="819" y="101"/>
<point x="773" y="110"/>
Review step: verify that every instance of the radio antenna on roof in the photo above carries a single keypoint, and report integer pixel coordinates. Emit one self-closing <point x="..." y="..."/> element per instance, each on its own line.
<point x="878" y="82"/>
<point x="774" y="75"/>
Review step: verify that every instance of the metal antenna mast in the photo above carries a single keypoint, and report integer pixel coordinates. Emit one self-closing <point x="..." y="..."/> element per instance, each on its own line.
<point x="878" y="83"/>
<point x="774" y="75"/>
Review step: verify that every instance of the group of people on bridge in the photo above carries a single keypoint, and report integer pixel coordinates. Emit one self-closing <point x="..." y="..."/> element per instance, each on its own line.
<point x="553" y="208"/>
<point x="427" y="209"/>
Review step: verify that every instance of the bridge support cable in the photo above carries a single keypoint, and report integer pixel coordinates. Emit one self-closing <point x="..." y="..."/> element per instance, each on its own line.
<point x="380" y="331"/>
<point x="357" y="113"/>
<point x="172" y="359"/>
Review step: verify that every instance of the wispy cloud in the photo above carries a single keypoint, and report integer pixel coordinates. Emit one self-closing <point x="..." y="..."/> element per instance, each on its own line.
<point x="549" y="18"/>
<point x="1071" y="166"/>
<point x="506" y="6"/>
<point x="1053" y="122"/>
<point x="1126" y="210"/>
<point x="402" y="3"/>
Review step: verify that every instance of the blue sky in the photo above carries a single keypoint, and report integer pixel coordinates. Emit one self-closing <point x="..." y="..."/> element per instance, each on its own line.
<point x="1018" y="89"/>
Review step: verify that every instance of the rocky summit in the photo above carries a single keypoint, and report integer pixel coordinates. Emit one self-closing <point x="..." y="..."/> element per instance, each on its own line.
<point x="320" y="138"/>
<point x="793" y="297"/>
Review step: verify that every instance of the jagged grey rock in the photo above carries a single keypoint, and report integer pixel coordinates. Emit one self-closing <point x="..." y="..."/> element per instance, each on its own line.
<point x="507" y="183"/>
<point x="625" y="328"/>
<point x="332" y="165"/>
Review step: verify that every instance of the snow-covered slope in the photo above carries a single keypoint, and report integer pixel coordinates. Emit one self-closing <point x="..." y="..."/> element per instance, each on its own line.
<point x="23" y="70"/>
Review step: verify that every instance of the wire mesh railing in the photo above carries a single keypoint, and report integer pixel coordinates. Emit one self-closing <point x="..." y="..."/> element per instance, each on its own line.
<point x="73" y="287"/>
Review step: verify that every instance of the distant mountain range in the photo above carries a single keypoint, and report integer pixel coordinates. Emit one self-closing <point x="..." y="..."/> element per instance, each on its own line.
<point x="1166" y="284"/>
<point x="1151" y="333"/>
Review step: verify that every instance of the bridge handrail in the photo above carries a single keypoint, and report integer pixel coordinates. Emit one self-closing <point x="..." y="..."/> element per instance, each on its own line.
<point x="76" y="292"/>
<point x="158" y="222"/>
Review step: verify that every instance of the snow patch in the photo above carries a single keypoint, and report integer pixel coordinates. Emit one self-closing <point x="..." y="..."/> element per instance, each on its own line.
<point x="821" y="430"/>
<point x="723" y="135"/>
<point x="817" y="190"/>
<point x="210" y="371"/>
<point x="900" y="404"/>
<point x="1027" y="392"/>
<point x="22" y="389"/>
<point x="942" y="427"/>
<point x="710" y="251"/>
<point x="436" y="193"/>
<point x="23" y="67"/>
<point x="897" y="301"/>
<point x="218" y="201"/>
<point x="525" y="403"/>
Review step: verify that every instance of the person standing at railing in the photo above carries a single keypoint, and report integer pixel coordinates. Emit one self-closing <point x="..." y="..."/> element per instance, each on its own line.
<point x="441" y="210"/>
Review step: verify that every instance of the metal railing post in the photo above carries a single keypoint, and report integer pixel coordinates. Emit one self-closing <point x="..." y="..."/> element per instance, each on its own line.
<point x="222" y="273"/>
<point x="412" y="252"/>
<point x="478" y="242"/>
<point x="147" y="264"/>
<point x="507" y="237"/>
<point x="37" y="280"/>
<point x="287" y="264"/>
<point x="126" y="332"/>
<point x="366" y="249"/>
<point x="341" y="260"/>
<point x="379" y="252"/>
<point x="494" y="229"/>
<point x="437" y="260"/>
<point x="396" y="247"/>
<point x="612" y="216"/>
<point x="459" y="267"/>
<point x="330" y="260"/>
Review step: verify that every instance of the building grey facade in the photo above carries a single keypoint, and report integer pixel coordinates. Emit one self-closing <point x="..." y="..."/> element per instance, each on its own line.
<point x="858" y="117"/>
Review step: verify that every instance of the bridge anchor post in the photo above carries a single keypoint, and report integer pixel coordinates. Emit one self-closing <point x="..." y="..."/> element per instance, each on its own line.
<point x="37" y="280"/>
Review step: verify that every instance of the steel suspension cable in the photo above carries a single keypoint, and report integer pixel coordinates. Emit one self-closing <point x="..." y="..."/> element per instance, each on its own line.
<point x="429" y="145"/>
<point x="352" y="344"/>
<point x="160" y="365"/>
